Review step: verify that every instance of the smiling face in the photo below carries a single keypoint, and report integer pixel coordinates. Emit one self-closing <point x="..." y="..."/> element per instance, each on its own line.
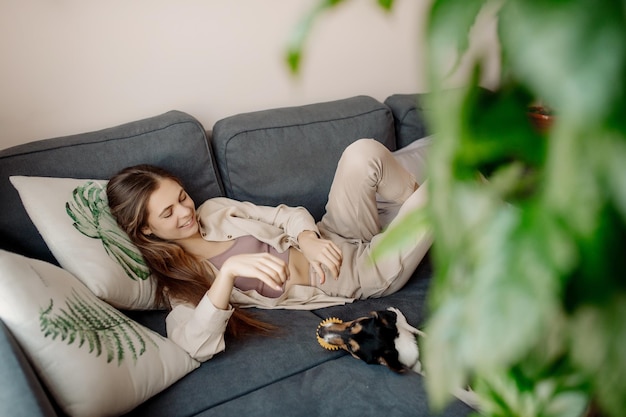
<point x="171" y="212"/>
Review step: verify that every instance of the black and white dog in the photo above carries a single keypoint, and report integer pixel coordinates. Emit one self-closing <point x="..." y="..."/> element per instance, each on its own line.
<point x="385" y="338"/>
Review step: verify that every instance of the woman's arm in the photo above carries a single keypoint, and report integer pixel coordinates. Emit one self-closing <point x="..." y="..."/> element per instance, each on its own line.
<point x="200" y="330"/>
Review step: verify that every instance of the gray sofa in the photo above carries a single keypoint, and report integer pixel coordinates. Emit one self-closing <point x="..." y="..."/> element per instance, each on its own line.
<point x="273" y="156"/>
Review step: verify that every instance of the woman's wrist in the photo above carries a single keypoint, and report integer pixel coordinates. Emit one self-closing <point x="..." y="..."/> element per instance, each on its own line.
<point x="307" y="234"/>
<point x="220" y="290"/>
<point x="225" y="275"/>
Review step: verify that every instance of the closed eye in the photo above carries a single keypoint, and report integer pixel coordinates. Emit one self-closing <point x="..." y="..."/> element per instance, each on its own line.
<point x="167" y="214"/>
<point x="168" y="210"/>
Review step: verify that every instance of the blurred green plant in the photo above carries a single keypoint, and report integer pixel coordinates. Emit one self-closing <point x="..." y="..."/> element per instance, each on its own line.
<point x="528" y="301"/>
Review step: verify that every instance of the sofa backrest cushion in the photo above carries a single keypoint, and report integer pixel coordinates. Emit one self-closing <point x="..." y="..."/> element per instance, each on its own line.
<point x="289" y="155"/>
<point x="175" y="141"/>
<point x="410" y="112"/>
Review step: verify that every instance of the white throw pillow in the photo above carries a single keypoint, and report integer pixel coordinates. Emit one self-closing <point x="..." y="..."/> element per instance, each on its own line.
<point x="73" y="218"/>
<point x="413" y="158"/>
<point x="94" y="360"/>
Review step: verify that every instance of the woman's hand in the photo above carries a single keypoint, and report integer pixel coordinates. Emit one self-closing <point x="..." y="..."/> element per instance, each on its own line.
<point x="321" y="254"/>
<point x="270" y="269"/>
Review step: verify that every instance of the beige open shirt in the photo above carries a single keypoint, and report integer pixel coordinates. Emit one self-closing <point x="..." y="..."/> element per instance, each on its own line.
<point x="200" y="330"/>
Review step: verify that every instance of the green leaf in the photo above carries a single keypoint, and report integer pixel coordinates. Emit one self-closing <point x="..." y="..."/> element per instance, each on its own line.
<point x="102" y="327"/>
<point x="509" y="393"/>
<point x="499" y="131"/>
<point x="385" y="4"/>
<point x="559" y="50"/>
<point x="597" y="345"/>
<point x="449" y="24"/>
<point x="443" y="364"/>
<point x="302" y="31"/>
<point x="92" y="217"/>
<point x="293" y="58"/>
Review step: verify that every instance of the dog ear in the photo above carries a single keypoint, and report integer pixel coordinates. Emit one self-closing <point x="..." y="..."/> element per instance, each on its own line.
<point x="388" y="318"/>
<point x="390" y="360"/>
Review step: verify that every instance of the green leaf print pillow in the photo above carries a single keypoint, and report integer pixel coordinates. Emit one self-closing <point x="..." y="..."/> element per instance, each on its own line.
<point x="93" y="359"/>
<point x="74" y="220"/>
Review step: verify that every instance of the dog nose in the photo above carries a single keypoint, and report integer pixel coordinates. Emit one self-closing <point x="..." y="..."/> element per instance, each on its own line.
<point x="330" y="335"/>
<point x="322" y="331"/>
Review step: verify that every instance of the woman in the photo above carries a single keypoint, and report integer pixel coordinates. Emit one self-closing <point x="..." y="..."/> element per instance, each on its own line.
<point x="230" y="252"/>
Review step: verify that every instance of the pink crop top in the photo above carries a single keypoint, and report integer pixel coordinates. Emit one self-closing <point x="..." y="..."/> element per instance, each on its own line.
<point x="249" y="244"/>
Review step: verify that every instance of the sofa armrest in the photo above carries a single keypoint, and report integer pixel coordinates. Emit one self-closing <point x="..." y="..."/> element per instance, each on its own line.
<point x="21" y="393"/>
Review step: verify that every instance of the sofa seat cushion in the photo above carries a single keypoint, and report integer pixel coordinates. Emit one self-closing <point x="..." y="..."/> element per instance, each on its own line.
<point x="248" y="364"/>
<point x="343" y="387"/>
<point x="289" y="155"/>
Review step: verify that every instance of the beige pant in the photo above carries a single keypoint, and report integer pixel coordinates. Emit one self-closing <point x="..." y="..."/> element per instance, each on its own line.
<point x="351" y="221"/>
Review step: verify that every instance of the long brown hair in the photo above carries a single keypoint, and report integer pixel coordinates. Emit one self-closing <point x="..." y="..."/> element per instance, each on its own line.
<point x="177" y="273"/>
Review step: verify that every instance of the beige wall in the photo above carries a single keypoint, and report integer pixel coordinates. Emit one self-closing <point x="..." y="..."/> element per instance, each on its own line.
<point x="70" y="66"/>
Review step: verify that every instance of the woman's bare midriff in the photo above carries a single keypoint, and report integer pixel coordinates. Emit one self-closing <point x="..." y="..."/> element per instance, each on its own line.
<point x="298" y="269"/>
